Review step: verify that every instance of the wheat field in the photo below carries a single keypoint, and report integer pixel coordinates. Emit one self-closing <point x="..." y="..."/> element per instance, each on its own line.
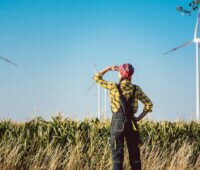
<point x="65" y="144"/>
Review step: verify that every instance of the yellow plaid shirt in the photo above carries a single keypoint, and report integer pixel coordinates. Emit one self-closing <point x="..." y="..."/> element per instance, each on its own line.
<point x="127" y="89"/>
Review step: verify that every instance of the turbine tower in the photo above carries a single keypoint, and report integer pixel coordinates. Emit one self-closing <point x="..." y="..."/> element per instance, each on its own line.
<point x="99" y="101"/>
<point x="196" y="40"/>
<point x="99" y="111"/>
<point x="100" y="114"/>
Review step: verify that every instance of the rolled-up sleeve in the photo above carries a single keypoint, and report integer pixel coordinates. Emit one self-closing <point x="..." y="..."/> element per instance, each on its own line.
<point x="148" y="105"/>
<point x="98" y="78"/>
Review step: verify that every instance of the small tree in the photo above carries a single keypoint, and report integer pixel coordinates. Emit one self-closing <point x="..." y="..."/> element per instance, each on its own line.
<point x="192" y="6"/>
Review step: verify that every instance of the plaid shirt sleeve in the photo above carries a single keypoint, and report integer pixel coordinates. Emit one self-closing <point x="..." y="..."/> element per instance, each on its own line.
<point x="148" y="105"/>
<point x="98" y="77"/>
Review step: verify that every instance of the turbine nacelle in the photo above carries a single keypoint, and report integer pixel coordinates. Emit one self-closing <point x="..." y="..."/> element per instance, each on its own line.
<point x="196" y="40"/>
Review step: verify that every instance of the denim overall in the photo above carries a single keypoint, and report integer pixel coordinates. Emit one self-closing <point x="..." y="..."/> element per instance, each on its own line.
<point x="124" y="125"/>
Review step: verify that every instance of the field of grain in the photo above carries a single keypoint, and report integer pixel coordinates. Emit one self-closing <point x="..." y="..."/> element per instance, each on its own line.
<point x="70" y="145"/>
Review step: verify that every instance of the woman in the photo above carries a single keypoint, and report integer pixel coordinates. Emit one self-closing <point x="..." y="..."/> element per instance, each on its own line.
<point x="124" y="104"/>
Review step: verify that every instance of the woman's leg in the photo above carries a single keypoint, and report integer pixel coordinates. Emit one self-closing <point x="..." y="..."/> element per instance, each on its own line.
<point x="117" y="140"/>
<point x="132" y="138"/>
<point x="117" y="147"/>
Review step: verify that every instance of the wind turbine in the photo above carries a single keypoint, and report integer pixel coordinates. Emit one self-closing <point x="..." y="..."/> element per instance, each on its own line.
<point x="8" y="61"/>
<point x="99" y="111"/>
<point x="196" y="40"/>
<point x="99" y="103"/>
<point x="99" y="99"/>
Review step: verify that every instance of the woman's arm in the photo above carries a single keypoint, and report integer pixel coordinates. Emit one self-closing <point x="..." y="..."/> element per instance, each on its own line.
<point x="98" y="78"/>
<point x="112" y="68"/>
<point x="141" y="116"/>
<point x="148" y="105"/>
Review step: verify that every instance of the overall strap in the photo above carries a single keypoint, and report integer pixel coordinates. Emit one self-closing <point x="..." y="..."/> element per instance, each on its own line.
<point x="124" y="102"/>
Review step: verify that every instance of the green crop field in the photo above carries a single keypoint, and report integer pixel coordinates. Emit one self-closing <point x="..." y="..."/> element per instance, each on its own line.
<point x="67" y="144"/>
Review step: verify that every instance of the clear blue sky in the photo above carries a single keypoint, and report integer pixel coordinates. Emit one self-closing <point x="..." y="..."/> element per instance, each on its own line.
<point x="56" y="44"/>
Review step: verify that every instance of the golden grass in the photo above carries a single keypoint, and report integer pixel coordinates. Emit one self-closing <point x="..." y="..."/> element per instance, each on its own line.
<point x="70" y="145"/>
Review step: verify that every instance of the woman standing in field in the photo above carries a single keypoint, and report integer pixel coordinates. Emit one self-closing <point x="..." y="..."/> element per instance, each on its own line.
<point x="124" y="98"/>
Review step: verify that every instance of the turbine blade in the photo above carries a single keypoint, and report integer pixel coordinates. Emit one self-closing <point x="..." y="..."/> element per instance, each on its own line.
<point x="197" y="26"/>
<point x="94" y="65"/>
<point x="8" y="61"/>
<point x="93" y="84"/>
<point x="90" y="88"/>
<point x="180" y="46"/>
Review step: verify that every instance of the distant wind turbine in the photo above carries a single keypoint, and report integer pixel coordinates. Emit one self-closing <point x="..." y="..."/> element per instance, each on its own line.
<point x="99" y="99"/>
<point x="8" y="61"/>
<point x="100" y="114"/>
<point x="196" y="40"/>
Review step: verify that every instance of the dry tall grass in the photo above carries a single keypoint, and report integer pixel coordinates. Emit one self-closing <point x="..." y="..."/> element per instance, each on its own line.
<point x="71" y="145"/>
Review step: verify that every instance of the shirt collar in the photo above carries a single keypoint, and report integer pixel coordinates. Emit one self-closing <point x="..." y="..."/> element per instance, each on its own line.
<point x="125" y="81"/>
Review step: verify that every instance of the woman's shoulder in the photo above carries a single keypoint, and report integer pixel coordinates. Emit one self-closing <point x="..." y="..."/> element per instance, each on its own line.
<point x="136" y="86"/>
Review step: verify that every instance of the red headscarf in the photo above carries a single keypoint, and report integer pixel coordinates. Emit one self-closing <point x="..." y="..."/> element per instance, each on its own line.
<point x="126" y="71"/>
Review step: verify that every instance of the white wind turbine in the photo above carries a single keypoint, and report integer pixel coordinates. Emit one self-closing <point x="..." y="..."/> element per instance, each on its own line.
<point x="196" y="40"/>
<point x="99" y="112"/>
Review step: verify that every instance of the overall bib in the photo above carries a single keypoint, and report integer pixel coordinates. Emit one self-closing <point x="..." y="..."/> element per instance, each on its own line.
<point x="124" y="126"/>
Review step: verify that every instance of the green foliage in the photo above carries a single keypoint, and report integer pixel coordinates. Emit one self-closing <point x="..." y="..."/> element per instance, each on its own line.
<point x="192" y="6"/>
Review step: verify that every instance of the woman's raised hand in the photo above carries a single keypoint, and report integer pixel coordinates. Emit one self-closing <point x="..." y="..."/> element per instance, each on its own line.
<point x="114" y="68"/>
